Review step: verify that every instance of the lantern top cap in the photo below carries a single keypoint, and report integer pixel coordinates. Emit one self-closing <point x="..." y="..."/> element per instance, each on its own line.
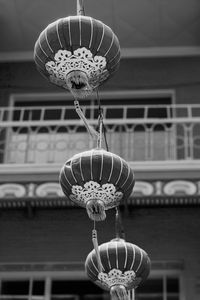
<point x="118" y="239"/>
<point x="80" y="7"/>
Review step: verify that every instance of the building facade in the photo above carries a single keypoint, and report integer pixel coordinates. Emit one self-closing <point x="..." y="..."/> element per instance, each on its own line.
<point x="151" y="114"/>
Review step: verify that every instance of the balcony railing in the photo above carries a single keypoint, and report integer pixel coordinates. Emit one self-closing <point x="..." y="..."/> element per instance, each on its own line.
<point x="137" y="133"/>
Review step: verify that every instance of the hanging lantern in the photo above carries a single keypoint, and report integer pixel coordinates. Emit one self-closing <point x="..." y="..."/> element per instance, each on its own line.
<point x="97" y="180"/>
<point x="77" y="53"/>
<point x="124" y="266"/>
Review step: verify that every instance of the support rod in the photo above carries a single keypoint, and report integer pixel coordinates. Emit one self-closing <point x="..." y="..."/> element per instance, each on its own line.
<point x="96" y="248"/>
<point x="80" y="8"/>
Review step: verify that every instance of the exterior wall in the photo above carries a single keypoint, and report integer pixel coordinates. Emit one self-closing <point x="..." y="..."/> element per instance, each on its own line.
<point x="58" y="235"/>
<point x="180" y="74"/>
<point x="65" y="236"/>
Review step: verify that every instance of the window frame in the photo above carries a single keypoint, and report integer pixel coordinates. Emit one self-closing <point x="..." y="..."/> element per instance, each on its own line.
<point x="49" y="276"/>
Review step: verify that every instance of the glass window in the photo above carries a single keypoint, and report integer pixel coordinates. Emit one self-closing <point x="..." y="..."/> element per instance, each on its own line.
<point x="15" y="287"/>
<point x="38" y="287"/>
<point x="27" y="289"/>
<point x="164" y="287"/>
<point x="81" y="287"/>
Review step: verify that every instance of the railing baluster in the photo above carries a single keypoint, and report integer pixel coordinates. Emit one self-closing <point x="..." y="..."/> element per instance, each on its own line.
<point x="62" y="116"/>
<point x="190" y="141"/>
<point x="145" y="112"/>
<point x="21" y="118"/>
<point x="42" y="114"/>
<point x="125" y="112"/>
<point x="168" y="112"/>
<point x="186" y="156"/>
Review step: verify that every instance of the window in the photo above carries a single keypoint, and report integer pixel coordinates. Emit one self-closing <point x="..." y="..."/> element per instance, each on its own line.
<point x="81" y="289"/>
<point x="160" y="288"/>
<point x="165" y="286"/>
<point x="25" y="289"/>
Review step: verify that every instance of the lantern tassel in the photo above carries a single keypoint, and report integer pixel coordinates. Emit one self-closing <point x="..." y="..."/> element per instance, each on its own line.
<point x="96" y="210"/>
<point x="89" y="128"/>
<point x="118" y="292"/>
<point x="131" y="294"/>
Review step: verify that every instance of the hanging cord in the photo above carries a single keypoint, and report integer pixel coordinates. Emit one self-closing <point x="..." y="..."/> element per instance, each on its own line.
<point x="119" y="230"/>
<point x="105" y="138"/>
<point x="100" y="122"/>
<point x="96" y="248"/>
<point x="101" y="126"/>
<point x="99" y="140"/>
<point x="90" y="129"/>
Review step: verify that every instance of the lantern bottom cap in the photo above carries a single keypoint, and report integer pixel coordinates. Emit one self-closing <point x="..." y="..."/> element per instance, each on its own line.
<point x="77" y="82"/>
<point x="96" y="209"/>
<point x="118" y="292"/>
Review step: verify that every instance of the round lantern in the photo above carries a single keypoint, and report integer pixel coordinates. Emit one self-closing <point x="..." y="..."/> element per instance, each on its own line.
<point x="77" y="53"/>
<point x="123" y="267"/>
<point x="97" y="180"/>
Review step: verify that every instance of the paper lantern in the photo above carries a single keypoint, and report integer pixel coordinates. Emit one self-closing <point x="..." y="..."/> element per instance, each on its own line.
<point x="97" y="180"/>
<point x="77" y="53"/>
<point x="124" y="267"/>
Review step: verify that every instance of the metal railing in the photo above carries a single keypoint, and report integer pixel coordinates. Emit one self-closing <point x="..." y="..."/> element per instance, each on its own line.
<point x="61" y="113"/>
<point x="137" y="133"/>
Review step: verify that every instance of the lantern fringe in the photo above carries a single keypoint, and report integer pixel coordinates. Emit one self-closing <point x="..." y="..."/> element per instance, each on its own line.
<point x="131" y="294"/>
<point x="96" y="210"/>
<point x="118" y="292"/>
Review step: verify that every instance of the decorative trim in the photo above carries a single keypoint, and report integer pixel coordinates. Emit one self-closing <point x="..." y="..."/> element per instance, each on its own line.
<point x="180" y="186"/>
<point x="46" y="189"/>
<point x="12" y="190"/>
<point x="145" y="193"/>
<point x="80" y="60"/>
<point x="143" y="188"/>
<point x="115" y="276"/>
<point x="92" y="190"/>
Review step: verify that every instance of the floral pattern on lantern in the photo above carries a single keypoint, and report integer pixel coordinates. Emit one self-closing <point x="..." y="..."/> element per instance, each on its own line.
<point x="107" y="193"/>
